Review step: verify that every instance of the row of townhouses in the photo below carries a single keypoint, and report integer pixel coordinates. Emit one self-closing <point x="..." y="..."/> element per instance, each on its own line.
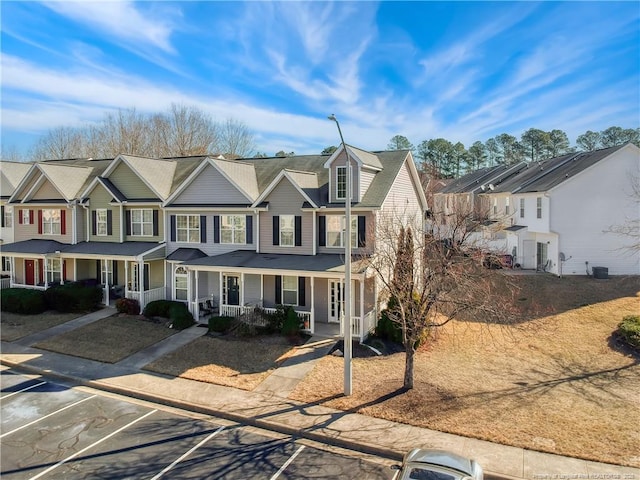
<point x="558" y="215"/>
<point x="214" y="233"/>
<point x="231" y="235"/>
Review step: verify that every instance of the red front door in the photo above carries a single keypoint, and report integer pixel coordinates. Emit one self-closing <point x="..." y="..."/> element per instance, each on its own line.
<point x="30" y="272"/>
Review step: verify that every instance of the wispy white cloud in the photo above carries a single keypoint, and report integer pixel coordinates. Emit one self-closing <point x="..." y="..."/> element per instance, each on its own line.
<point x="119" y="19"/>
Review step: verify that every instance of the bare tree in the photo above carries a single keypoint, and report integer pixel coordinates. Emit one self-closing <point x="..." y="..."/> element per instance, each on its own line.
<point x="631" y="227"/>
<point x="58" y="143"/>
<point x="181" y="130"/>
<point x="435" y="276"/>
<point x="235" y="139"/>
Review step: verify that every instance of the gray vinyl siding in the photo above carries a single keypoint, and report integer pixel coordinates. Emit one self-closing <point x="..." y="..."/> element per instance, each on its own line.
<point x="27" y="232"/>
<point x="99" y="199"/>
<point x="136" y="238"/>
<point x="210" y="248"/>
<point x="370" y="222"/>
<point x="321" y="306"/>
<point x="285" y="199"/>
<point x="46" y="192"/>
<point x="128" y="182"/>
<point x="252" y="289"/>
<point x="210" y="186"/>
<point x="339" y="162"/>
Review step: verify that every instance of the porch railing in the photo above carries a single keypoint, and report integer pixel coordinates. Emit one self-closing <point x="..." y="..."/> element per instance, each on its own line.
<point x="361" y="328"/>
<point x="24" y="285"/>
<point x="238" y="310"/>
<point x="5" y="283"/>
<point x="146" y="296"/>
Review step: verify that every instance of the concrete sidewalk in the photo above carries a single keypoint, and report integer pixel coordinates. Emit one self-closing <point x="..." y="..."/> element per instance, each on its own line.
<point x="268" y="407"/>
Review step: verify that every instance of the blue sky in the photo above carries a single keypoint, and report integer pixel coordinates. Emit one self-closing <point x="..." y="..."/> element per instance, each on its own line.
<point x="458" y="70"/>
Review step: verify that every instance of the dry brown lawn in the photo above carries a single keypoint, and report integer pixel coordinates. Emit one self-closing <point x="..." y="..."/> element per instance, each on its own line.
<point x="229" y="361"/>
<point x="108" y="340"/>
<point x="14" y="326"/>
<point x="554" y="383"/>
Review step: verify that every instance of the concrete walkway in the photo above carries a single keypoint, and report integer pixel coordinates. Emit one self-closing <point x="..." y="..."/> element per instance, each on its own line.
<point x="268" y="407"/>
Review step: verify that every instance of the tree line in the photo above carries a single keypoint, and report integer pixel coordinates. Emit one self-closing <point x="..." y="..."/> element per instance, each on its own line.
<point x="179" y="131"/>
<point x="444" y="159"/>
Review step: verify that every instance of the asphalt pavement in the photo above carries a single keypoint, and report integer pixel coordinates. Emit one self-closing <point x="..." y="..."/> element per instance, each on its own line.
<point x="268" y="407"/>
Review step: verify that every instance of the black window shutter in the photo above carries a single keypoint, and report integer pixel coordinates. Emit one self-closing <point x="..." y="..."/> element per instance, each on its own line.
<point x="156" y="230"/>
<point x="98" y="272"/>
<point x="216" y="229"/>
<point x="278" y="290"/>
<point x="249" y="230"/>
<point x="203" y="229"/>
<point x="301" y="299"/>
<point x="362" y="231"/>
<point x="115" y="272"/>
<point x="94" y="222"/>
<point x="298" y="224"/>
<point x="172" y="227"/>
<point x="322" y="231"/>
<point x="146" y="277"/>
<point x="128" y="222"/>
<point x="2" y="215"/>
<point x="276" y="230"/>
<point x="109" y="222"/>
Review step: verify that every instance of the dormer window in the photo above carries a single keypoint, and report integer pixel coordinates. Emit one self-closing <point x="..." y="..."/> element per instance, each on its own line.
<point x="341" y="183"/>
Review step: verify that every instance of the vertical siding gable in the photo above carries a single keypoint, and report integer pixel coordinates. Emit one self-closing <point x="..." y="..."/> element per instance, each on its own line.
<point x="128" y="182"/>
<point x="46" y="192"/>
<point x="210" y="187"/>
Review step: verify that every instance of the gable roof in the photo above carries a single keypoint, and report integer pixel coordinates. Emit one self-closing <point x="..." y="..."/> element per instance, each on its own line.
<point x="11" y="174"/>
<point x="545" y="175"/>
<point x="362" y="157"/>
<point x="67" y="179"/>
<point x="305" y="182"/>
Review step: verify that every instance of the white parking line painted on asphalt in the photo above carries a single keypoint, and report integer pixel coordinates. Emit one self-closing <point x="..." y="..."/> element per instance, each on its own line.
<point x="80" y="452"/>
<point x="287" y="463"/>
<point x="185" y="455"/>
<point x="23" y="390"/>
<point x="46" y="416"/>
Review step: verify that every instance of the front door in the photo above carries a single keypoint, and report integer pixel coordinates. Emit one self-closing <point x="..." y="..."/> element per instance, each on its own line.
<point x="30" y="272"/>
<point x="336" y="300"/>
<point x="231" y="290"/>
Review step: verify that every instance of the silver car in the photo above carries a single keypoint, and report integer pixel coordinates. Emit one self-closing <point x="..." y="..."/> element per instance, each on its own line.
<point x="420" y="464"/>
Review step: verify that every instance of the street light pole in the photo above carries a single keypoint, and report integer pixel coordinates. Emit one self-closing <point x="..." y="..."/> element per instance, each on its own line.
<point x="346" y="305"/>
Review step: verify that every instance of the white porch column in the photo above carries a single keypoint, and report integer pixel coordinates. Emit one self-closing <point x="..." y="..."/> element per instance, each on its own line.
<point x="126" y="278"/>
<point x="143" y="302"/>
<point x="196" y="312"/>
<point x="75" y="269"/>
<point x="312" y="324"/>
<point x="220" y="290"/>
<point x="12" y="273"/>
<point x="45" y="270"/>
<point x="361" y="309"/>
<point x="242" y="289"/>
<point x="262" y="290"/>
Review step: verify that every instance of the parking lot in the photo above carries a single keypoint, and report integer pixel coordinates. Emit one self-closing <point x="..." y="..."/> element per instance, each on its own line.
<point x="50" y="430"/>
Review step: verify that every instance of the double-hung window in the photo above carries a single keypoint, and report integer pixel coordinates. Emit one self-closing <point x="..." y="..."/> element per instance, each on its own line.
<point x="181" y="284"/>
<point x="188" y="228"/>
<point x="101" y="222"/>
<point x="26" y="217"/>
<point x="51" y="222"/>
<point x="142" y="222"/>
<point x="287" y="230"/>
<point x="289" y="290"/>
<point x="106" y="268"/>
<point x="539" y="207"/>
<point x="54" y="270"/>
<point x="341" y="183"/>
<point x="8" y="217"/>
<point x="233" y="229"/>
<point x="336" y="231"/>
<point x="522" y="208"/>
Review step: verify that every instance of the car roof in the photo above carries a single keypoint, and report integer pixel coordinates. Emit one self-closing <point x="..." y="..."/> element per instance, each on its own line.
<point x="441" y="458"/>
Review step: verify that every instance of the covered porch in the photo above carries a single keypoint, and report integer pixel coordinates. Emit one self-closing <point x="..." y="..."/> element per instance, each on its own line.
<point x="132" y="270"/>
<point x="238" y="282"/>
<point x="35" y="264"/>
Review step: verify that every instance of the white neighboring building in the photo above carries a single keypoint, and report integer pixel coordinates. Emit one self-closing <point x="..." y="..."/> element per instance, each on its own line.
<point x="562" y="208"/>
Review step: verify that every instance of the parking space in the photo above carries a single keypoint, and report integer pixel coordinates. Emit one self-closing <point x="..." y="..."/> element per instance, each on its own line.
<point x="49" y="430"/>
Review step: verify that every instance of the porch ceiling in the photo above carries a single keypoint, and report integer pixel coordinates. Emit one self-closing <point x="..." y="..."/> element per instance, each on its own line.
<point x="244" y="260"/>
